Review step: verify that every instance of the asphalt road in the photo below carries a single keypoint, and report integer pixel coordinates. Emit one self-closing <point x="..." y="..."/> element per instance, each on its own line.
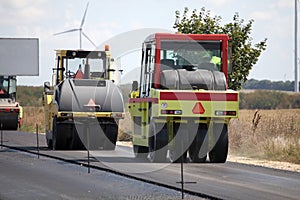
<point x="23" y="176"/>
<point x="224" y="181"/>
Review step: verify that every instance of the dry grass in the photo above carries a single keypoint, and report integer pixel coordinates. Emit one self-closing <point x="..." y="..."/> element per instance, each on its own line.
<point x="31" y="117"/>
<point x="268" y="134"/>
<point x="125" y="129"/>
<point x="265" y="134"/>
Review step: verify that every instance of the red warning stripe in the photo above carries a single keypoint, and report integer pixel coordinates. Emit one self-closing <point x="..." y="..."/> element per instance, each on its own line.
<point x="203" y="96"/>
<point x="10" y="109"/>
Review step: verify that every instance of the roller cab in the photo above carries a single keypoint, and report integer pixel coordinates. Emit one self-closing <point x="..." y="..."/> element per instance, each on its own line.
<point x="181" y="106"/>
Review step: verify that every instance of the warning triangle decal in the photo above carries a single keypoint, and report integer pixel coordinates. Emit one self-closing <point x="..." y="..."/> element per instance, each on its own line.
<point x="198" y="108"/>
<point x="91" y="103"/>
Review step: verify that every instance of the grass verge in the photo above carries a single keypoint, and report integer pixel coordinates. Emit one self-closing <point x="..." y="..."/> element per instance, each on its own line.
<point x="266" y="134"/>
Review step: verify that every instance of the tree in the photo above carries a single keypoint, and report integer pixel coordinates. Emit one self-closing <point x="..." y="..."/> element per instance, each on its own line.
<point x="244" y="54"/>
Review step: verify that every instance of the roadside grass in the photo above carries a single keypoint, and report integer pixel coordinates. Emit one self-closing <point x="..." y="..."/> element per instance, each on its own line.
<point x="263" y="134"/>
<point x="125" y="129"/>
<point x="33" y="116"/>
<point x="267" y="134"/>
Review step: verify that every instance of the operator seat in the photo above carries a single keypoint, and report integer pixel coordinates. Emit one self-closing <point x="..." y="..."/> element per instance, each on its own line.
<point x="208" y="66"/>
<point x="166" y="64"/>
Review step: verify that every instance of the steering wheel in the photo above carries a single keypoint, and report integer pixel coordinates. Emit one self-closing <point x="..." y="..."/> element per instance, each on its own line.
<point x="70" y="74"/>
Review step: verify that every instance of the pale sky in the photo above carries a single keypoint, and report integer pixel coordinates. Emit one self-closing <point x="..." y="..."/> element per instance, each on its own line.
<point x="273" y="19"/>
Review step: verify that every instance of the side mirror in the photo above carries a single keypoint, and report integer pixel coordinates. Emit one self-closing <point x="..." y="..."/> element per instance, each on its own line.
<point x="135" y="86"/>
<point x="47" y="87"/>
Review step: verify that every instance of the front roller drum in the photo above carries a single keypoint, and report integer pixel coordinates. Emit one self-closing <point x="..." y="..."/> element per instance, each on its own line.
<point x="98" y="136"/>
<point x="111" y="135"/>
<point x="75" y="142"/>
<point x="90" y="135"/>
<point x="59" y="140"/>
<point x="8" y="121"/>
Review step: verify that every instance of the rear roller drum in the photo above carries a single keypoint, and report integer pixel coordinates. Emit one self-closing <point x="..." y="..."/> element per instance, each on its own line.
<point x="178" y="153"/>
<point x="219" y="152"/>
<point x="199" y="147"/>
<point x="158" y="142"/>
<point x="140" y="151"/>
<point x="175" y="157"/>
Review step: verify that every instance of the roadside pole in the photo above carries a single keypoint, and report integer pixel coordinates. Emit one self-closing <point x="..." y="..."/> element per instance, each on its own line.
<point x="181" y="174"/>
<point x="37" y="140"/>
<point x="88" y="147"/>
<point x="1" y="134"/>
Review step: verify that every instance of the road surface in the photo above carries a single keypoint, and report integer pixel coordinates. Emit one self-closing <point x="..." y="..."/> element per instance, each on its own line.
<point x="223" y="181"/>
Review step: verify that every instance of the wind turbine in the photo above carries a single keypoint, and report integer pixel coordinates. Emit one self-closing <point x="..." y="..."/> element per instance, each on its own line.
<point x="296" y="87"/>
<point x="80" y="30"/>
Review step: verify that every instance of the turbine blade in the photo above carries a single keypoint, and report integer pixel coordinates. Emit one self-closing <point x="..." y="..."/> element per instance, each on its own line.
<point x="83" y="18"/>
<point x="88" y="39"/>
<point x="68" y="31"/>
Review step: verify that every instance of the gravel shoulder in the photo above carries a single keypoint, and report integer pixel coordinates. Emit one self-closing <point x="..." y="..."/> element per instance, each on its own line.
<point x="251" y="161"/>
<point x="265" y="163"/>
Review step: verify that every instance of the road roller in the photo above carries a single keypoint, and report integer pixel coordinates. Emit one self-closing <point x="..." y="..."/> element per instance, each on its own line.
<point x="181" y="106"/>
<point x="10" y="110"/>
<point x="83" y="105"/>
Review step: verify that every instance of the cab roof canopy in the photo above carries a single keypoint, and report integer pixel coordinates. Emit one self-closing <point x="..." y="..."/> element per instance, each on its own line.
<point x="178" y="36"/>
<point x="81" y="54"/>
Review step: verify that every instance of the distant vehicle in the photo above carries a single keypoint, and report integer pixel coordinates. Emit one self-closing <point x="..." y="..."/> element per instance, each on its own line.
<point x="10" y="111"/>
<point x="83" y="105"/>
<point x="181" y="105"/>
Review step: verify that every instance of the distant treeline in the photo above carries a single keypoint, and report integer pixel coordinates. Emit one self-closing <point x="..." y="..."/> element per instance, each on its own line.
<point x="269" y="85"/>
<point x="263" y="99"/>
<point x="258" y="99"/>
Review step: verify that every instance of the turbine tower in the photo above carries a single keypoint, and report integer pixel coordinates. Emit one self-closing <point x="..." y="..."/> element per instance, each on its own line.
<point x="296" y="50"/>
<point x="80" y="30"/>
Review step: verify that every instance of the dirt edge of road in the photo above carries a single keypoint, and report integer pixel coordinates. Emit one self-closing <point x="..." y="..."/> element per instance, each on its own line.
<point x="251" y="161"/>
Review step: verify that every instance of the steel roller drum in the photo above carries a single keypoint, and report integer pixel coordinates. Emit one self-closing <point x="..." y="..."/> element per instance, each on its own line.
<point x="76" y="95"/>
